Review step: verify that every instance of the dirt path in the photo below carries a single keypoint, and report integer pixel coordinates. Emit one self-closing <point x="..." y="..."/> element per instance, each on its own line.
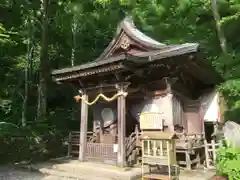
<point x="10" y="173"/>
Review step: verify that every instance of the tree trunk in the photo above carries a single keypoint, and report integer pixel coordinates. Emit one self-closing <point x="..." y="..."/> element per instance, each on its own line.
<point x="28" y="67"/>
<point x="44" y="68"/>
<point x="25" y="98"/>
<point x="217" y="18"/>
<point x="74" y="32"/>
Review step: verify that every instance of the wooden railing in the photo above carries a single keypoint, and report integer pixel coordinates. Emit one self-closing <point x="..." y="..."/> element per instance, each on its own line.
<point x="100" y="151"/>
<point x="210" y="152"/>
<point x="189" y="141"/>
<point x="189" y="145"/>
<point x="132" y="150"/>
<point x="74" y="140"/>
<point x="130" y="144"/>
<point x="105" y="151"/>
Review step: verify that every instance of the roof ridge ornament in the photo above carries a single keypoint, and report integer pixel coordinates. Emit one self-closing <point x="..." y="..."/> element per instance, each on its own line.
<point x="127" y="27"/>
<point x="129" y="19"/>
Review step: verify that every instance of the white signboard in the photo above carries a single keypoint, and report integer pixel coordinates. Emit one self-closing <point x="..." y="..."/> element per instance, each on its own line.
<point x="115" y="148"/>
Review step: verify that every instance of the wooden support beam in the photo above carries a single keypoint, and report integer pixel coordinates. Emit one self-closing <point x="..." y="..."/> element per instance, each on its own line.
<point x="99" y="86"/>
<point x="121" y="156"/>
<point x="188" y="160"/>
<point x="83" y="128"/>
<point x="170" y="112"/>
<point x="80" y="83"/>
<point x="112" y="90"/>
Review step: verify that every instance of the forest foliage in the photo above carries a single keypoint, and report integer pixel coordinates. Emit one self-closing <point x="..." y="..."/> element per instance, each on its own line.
<point x="39" y="36"/>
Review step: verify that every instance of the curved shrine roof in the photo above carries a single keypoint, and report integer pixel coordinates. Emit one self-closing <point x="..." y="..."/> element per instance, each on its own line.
<point x="128" y="45"/>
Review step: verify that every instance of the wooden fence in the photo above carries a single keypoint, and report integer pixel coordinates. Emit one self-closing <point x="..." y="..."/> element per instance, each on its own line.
<point x="211" y="153"/>
<point x="74" y="140"/>
<point x="101" y="152"/>
<point x="95" y="151"/>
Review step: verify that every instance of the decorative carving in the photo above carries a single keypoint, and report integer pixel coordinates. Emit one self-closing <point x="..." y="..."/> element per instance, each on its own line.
<point x="125" y="42"/>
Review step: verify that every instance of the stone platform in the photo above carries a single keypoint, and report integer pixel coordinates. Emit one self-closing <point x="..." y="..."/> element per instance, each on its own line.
<point x="98" y="171"/>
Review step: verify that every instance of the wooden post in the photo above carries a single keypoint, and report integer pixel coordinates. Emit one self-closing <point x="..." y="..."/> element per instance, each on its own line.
<point x="69" y="144"/>
<point x="170" y="116"/>
<point x="206" y="154"/>
<point x="213" y="151"/>
<point x="121" y="155"/>
<point x="198" y="159"/>
<point x="188" y="160"/>
<point x="83" y="128"/>
<point x="187" y="154"/>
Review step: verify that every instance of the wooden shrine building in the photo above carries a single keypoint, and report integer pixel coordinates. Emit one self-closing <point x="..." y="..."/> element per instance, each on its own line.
<point x="133" y="75"/>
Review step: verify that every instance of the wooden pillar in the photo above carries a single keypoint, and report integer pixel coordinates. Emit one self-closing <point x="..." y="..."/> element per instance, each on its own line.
<point x="121" y="155"/>
<point x="201" y="119"/>
<point x="188" y="160"/>
<point x="170" y="119"/>
<point x="207" y="159"/>
<point x="83" y="128"/>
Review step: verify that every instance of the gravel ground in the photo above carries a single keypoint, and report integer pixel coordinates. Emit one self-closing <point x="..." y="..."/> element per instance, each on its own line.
<point x="9" y="173"/>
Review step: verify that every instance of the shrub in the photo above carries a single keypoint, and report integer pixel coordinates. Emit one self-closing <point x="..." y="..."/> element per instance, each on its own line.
<point x="228" y="162"/>
<point x="33" y="143"/>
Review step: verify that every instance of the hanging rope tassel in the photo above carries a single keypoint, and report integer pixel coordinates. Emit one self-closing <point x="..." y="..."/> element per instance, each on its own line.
<point x="78" y="98"/>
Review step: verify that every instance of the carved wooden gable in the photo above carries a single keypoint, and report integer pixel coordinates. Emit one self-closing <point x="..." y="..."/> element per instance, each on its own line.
<point x="130" y="40"/>
<point x="126" y="45"/>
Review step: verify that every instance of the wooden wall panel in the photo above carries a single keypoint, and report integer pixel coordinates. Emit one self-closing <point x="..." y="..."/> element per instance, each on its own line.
<point x="158" y="104"/>
<point x="178" y="113"/>
<point x="194" y="124"/>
